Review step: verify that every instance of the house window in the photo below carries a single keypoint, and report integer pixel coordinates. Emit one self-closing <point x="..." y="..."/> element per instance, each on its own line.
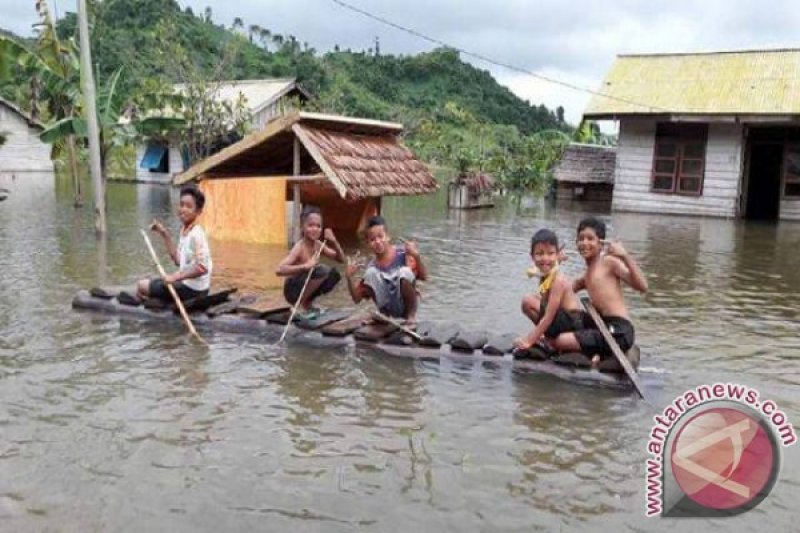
<point x="156" y="158"/>
<point x="679" y="159"/>
<point x="791" y="171"/>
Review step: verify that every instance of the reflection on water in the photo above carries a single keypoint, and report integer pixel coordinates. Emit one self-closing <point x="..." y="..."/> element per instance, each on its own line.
<point x="107" y="423"/>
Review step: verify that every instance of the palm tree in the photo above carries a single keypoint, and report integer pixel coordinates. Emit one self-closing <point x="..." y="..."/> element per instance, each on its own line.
<point x="254" y="30"/>
<point x="265" y="36"/>
<point x="238" y="23"/>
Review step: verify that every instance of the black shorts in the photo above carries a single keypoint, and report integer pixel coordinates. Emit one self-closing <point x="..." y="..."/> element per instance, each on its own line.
<point x="293" y="285"/>
<point x="158" y="289"/>
<point x="564" y="322"/>
<point x="593" y="343"/>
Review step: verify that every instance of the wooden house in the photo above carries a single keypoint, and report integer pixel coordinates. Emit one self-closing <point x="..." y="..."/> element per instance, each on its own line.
<point x="713" y="134"/>
<point x="585" y="172"/>
<point x="266" y="100"/>
<point x="344" y="165"/>
<point x="471" y="190"/>
<point x="21" y="150"/>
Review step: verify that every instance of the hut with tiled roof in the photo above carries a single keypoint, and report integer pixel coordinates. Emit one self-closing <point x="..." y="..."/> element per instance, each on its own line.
<point x="344" y="165"/>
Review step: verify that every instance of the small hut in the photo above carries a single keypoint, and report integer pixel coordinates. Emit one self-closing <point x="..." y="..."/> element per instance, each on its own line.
<point x="21" y="150"/>
<point x="470" y="190"/>
<point x="585" y="172"/>
<point x="342" y="164"/>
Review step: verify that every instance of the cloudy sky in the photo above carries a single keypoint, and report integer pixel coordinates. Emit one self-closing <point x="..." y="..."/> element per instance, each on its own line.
<point x="575" y="41"/>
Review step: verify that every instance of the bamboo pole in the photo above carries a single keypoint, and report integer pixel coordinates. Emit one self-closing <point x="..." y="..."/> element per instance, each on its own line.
<point x="171" y="289"/>
<point x="90" y="106"/>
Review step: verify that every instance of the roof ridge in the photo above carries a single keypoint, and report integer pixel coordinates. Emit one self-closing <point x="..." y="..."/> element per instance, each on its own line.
<point x="714" y="52"/>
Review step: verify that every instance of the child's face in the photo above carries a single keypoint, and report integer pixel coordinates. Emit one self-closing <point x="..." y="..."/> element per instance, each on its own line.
<point x="589" y="244"/>
<point x="187" y="209"/>
<point x="378" y="239"/>
<point x="312" y="227"/>
<point x="545" y="256"/>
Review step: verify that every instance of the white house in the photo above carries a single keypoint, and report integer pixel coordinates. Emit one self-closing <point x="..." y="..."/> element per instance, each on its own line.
<point x="714" y="134"/>
<point x="266" y="100"/>
<point x="21" y="150"/>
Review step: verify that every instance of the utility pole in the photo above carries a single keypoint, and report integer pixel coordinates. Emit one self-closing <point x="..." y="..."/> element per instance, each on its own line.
<point x="90" y="108"/>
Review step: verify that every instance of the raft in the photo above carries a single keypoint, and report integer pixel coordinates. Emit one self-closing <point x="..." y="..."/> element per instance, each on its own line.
<point x="223" y="311"/>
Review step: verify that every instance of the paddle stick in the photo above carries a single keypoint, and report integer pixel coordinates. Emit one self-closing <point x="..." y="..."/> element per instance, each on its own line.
<point x="302" y="291"/>
<point x="615" y="349"/>
<point x="383" y="318"/>
<point x="171" y="289"/>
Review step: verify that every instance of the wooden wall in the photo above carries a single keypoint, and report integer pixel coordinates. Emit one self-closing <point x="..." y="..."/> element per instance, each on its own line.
<point x="22" y="151"/>
<point x="723" y="171"/>
<point x="592" y="192"/>
<point x="246" y="209"/>
<point x="789" y="209"/>
<point x="346" y="218"/>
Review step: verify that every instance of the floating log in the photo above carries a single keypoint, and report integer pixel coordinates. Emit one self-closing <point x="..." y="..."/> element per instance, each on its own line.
<point x="499" y="344"/>
<point x="325" y="318"/>
<point x="469" y="341"/>
<point x="264" y="305"/>
<point x="381" y="337"/>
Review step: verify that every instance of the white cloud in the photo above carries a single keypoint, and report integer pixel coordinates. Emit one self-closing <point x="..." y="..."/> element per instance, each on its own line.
<point x="575" y="41"/>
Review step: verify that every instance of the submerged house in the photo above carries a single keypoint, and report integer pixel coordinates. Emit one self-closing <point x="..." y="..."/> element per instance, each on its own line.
<point x="471" y="190"/>
<point x="21" y="150"/>
<point x="585" y="172"/>
<point x="344" y="165"/>
<point x="713" y="134"/>
<point x="267" y="99"/>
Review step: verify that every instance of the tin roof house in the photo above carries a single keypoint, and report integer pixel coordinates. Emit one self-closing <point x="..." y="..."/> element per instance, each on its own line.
<point x="714" y="134"/>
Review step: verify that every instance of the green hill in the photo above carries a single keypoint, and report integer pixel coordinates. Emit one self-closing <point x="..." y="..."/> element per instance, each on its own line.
<point x="453" y="111"/>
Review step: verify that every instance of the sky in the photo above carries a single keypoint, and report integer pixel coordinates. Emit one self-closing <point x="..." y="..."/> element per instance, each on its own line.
<point x="571" y="40"/>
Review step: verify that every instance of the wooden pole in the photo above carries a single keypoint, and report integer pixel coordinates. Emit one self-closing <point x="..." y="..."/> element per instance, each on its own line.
<point x="170" y="288"/>
<point x="302" y="292"/>
<point x="296" y="205"/>
<point x="615" y="349"/>
<point x="90" y="107"/>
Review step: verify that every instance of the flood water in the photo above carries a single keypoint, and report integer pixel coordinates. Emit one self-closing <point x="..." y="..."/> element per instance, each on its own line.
<point x="119" y="425"/>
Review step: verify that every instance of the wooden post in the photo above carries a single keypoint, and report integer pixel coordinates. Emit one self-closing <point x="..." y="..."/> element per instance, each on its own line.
<point x="90" y="106"/>
<point x="296" y="206"/>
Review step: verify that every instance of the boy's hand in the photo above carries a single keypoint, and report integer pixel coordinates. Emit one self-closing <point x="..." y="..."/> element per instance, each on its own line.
<point x="351" y="268"/>
<point x="157" y="227"/>
<point x="329" y="236"/>
<point x="562" y="255"/>
<point x="170" y="279"/>
<point x="522" y="343"/>
<point x="411" y="249"/>
<point x="617" y="250"/>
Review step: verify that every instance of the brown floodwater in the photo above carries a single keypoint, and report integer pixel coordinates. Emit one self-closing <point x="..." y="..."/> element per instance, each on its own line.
<point x="119" y="425"/>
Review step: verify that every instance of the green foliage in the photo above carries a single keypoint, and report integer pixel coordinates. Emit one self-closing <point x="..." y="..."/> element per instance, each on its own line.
<point x="455" y="114"/>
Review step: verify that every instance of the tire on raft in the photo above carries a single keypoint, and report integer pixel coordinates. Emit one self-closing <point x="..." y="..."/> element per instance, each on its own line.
<point x="439" y="340"/>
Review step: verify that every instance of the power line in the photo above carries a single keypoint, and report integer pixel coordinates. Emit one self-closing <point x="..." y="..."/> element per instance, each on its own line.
<point x="482" y="57"/>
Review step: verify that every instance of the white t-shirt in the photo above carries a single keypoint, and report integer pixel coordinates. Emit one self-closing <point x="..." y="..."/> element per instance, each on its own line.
<point x="193" y="250"/>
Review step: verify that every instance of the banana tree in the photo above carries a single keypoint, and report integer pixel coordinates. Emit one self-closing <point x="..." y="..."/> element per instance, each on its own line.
<point x="53" y="71"/>
<point x="115" y="130"/>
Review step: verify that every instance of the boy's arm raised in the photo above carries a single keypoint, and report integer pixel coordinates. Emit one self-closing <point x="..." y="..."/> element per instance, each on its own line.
<point x="352" y="287"/>
<point x="172" y="250"/>
<point x="626" y="268"/>
<point x="411" y="250"/>
<point x="332" y="248"/>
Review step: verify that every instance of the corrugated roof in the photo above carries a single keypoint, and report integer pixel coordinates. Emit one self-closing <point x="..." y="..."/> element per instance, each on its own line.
<point x="586" y="163"/>
<point x="257" y="93"/>
<point x="727" y="83"/>
<point x="359" y="157"/>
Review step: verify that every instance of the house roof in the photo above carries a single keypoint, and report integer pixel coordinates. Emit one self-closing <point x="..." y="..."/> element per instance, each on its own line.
<point x="358" y="157"/>
<point x="753" y="82"/>
<point x="32" y="122"/>
<point x="586" y="163"/>
<point x="258" y="94"/>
